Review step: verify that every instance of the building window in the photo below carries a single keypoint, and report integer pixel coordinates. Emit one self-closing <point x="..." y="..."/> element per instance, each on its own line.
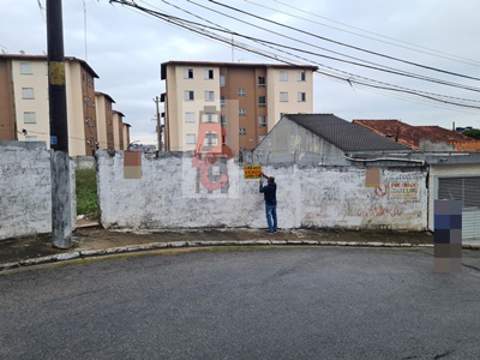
<point x="190" y="117"/>
<point x="261" y="81"/>
<point x="283" y="96"/>
<point x="222" y="80"/>
<point x="209" y="95"/>
<point x="27" y="93"/>
<point x="29" y="117"/>
<point x="188" y="73"/>
<point x="283" y="75"/>
<point x="26" y="68"/>
<point x="211" y="139"/>
<point x="209" y="118"/>
<point x="242" y="92"/>
<point x="243" y="131"/>
<point x="302" y="76"/>
<point x="190" y="139"/>
<point x="242" y="111"/>
<point x="189" y="95"/>
<point x="262" y="101"/>
<point x="222" y="101"/>
<point x="209" y="74"/>
<point x="302" y="97"/>
<point x="223" y="120"/>
<point x="262" y="121"/>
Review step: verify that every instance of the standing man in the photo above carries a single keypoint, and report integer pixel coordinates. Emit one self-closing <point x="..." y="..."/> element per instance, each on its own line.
<point x="270" y="194"/>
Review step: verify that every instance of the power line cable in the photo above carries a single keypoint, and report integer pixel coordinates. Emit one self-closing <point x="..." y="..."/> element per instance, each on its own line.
<point x="340" y="43"/>
<point x="309" y="60"/>
<point x="275" y="46"/>
<point x="376" y="84"/>
<point x="412" y="47"/>
<point x="420" y="48"/>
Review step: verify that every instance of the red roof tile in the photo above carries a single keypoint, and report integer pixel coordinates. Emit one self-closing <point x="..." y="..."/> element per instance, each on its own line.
<point x="411" y="136"/>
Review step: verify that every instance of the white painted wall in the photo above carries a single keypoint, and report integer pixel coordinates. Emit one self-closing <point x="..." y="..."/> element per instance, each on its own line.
<point x="307" y="197"/>
<point x="25" y="189"/>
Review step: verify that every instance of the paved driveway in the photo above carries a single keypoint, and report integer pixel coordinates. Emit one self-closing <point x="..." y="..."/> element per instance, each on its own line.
<point x="288" y="303"/>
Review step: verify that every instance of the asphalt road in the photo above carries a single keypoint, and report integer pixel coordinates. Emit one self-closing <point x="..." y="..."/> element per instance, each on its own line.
<point x="289" y="303"/>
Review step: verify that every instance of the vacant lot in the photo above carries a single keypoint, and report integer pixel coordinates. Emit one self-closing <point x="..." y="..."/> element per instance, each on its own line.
<point x="86" y="182"/>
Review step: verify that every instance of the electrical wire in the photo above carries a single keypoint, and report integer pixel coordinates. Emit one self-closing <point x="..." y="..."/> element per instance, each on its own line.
<point x="275" y="45"/>
<point x="422" y="49"/>
<point x="410" y="91"/>
<point x="409" y="46"/>
<point x="370" y="82"/>
<point x="340" y="43"/>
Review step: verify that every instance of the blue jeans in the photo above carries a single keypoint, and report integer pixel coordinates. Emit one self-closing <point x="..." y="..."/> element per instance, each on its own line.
<point x="271" y="212"/>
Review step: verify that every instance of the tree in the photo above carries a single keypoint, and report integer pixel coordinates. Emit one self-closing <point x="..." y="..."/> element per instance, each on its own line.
<point x="474" y="133"/>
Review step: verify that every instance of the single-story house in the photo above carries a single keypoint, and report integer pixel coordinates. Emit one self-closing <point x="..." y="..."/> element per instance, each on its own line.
<point x="424" y="138"/>
<point x="321" y="139"/>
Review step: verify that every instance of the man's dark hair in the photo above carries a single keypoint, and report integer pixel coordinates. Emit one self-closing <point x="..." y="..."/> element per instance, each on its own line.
<point x="271" y="180"/>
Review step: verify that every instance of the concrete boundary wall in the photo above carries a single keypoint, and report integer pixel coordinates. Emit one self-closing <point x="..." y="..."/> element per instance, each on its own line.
<point x="170" y="194"/>
<point x="84" y="162"/>
<point x="25" y="189"/>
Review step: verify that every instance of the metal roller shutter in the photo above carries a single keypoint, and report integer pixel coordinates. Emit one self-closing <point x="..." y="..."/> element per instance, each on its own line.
<point x="466" y="189"/>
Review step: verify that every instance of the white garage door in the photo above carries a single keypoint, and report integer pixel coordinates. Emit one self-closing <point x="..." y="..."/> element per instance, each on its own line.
<point x="466" y="189"/>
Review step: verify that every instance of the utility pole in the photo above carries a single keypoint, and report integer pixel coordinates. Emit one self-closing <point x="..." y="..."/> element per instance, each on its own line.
<point x="159" y="125"/>
<point x="60" y="161"/>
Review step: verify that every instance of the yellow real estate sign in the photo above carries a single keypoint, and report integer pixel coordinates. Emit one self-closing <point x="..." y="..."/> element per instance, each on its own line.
<point x="252" y="172"/>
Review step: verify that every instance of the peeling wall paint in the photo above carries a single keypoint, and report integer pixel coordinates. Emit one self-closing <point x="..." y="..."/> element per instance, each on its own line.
<point x="325" y="197"/>
<point x="25" y="189"/>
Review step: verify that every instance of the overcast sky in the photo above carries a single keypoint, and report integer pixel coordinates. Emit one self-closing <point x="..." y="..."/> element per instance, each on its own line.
<point x="126" y="48"/>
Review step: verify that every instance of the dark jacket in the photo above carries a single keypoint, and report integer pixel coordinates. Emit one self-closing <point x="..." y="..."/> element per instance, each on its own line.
<point x="269" y="193"/>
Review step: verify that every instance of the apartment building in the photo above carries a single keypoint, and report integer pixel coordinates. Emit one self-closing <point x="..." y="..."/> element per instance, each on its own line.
<point x="103" y="104"/>
<point x="126" y="135"/>
<point x="24" y="113"/>
<point x="117" y="125"/>
<point x="246" y="99"/>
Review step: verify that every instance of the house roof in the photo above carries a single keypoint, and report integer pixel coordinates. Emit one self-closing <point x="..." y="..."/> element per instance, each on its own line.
<point x="118" y="112"/>
<point x="412" y="135"/>
<point x="104" y="94"/>
<point x="343" y="134"/>
<point x="31" y="57"/>
<point x="239" y="64"/>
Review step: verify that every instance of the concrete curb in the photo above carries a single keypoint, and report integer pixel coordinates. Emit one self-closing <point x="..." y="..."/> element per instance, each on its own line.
<point x="202" y="243"/>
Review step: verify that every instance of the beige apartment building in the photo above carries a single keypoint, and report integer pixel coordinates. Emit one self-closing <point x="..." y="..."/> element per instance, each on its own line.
<point x="118" y="141"/>
<point x="103" y="104"/>
<point x="24" y="114"/>
<point x="126" y="135"/>
<point x="247" y="100"/>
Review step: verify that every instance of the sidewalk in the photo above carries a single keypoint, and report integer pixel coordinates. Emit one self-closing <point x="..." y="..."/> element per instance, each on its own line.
<point x="94" y="239"/>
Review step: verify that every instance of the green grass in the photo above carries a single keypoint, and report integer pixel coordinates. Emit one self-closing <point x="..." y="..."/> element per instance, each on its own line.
<point x="86" y="182"/>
